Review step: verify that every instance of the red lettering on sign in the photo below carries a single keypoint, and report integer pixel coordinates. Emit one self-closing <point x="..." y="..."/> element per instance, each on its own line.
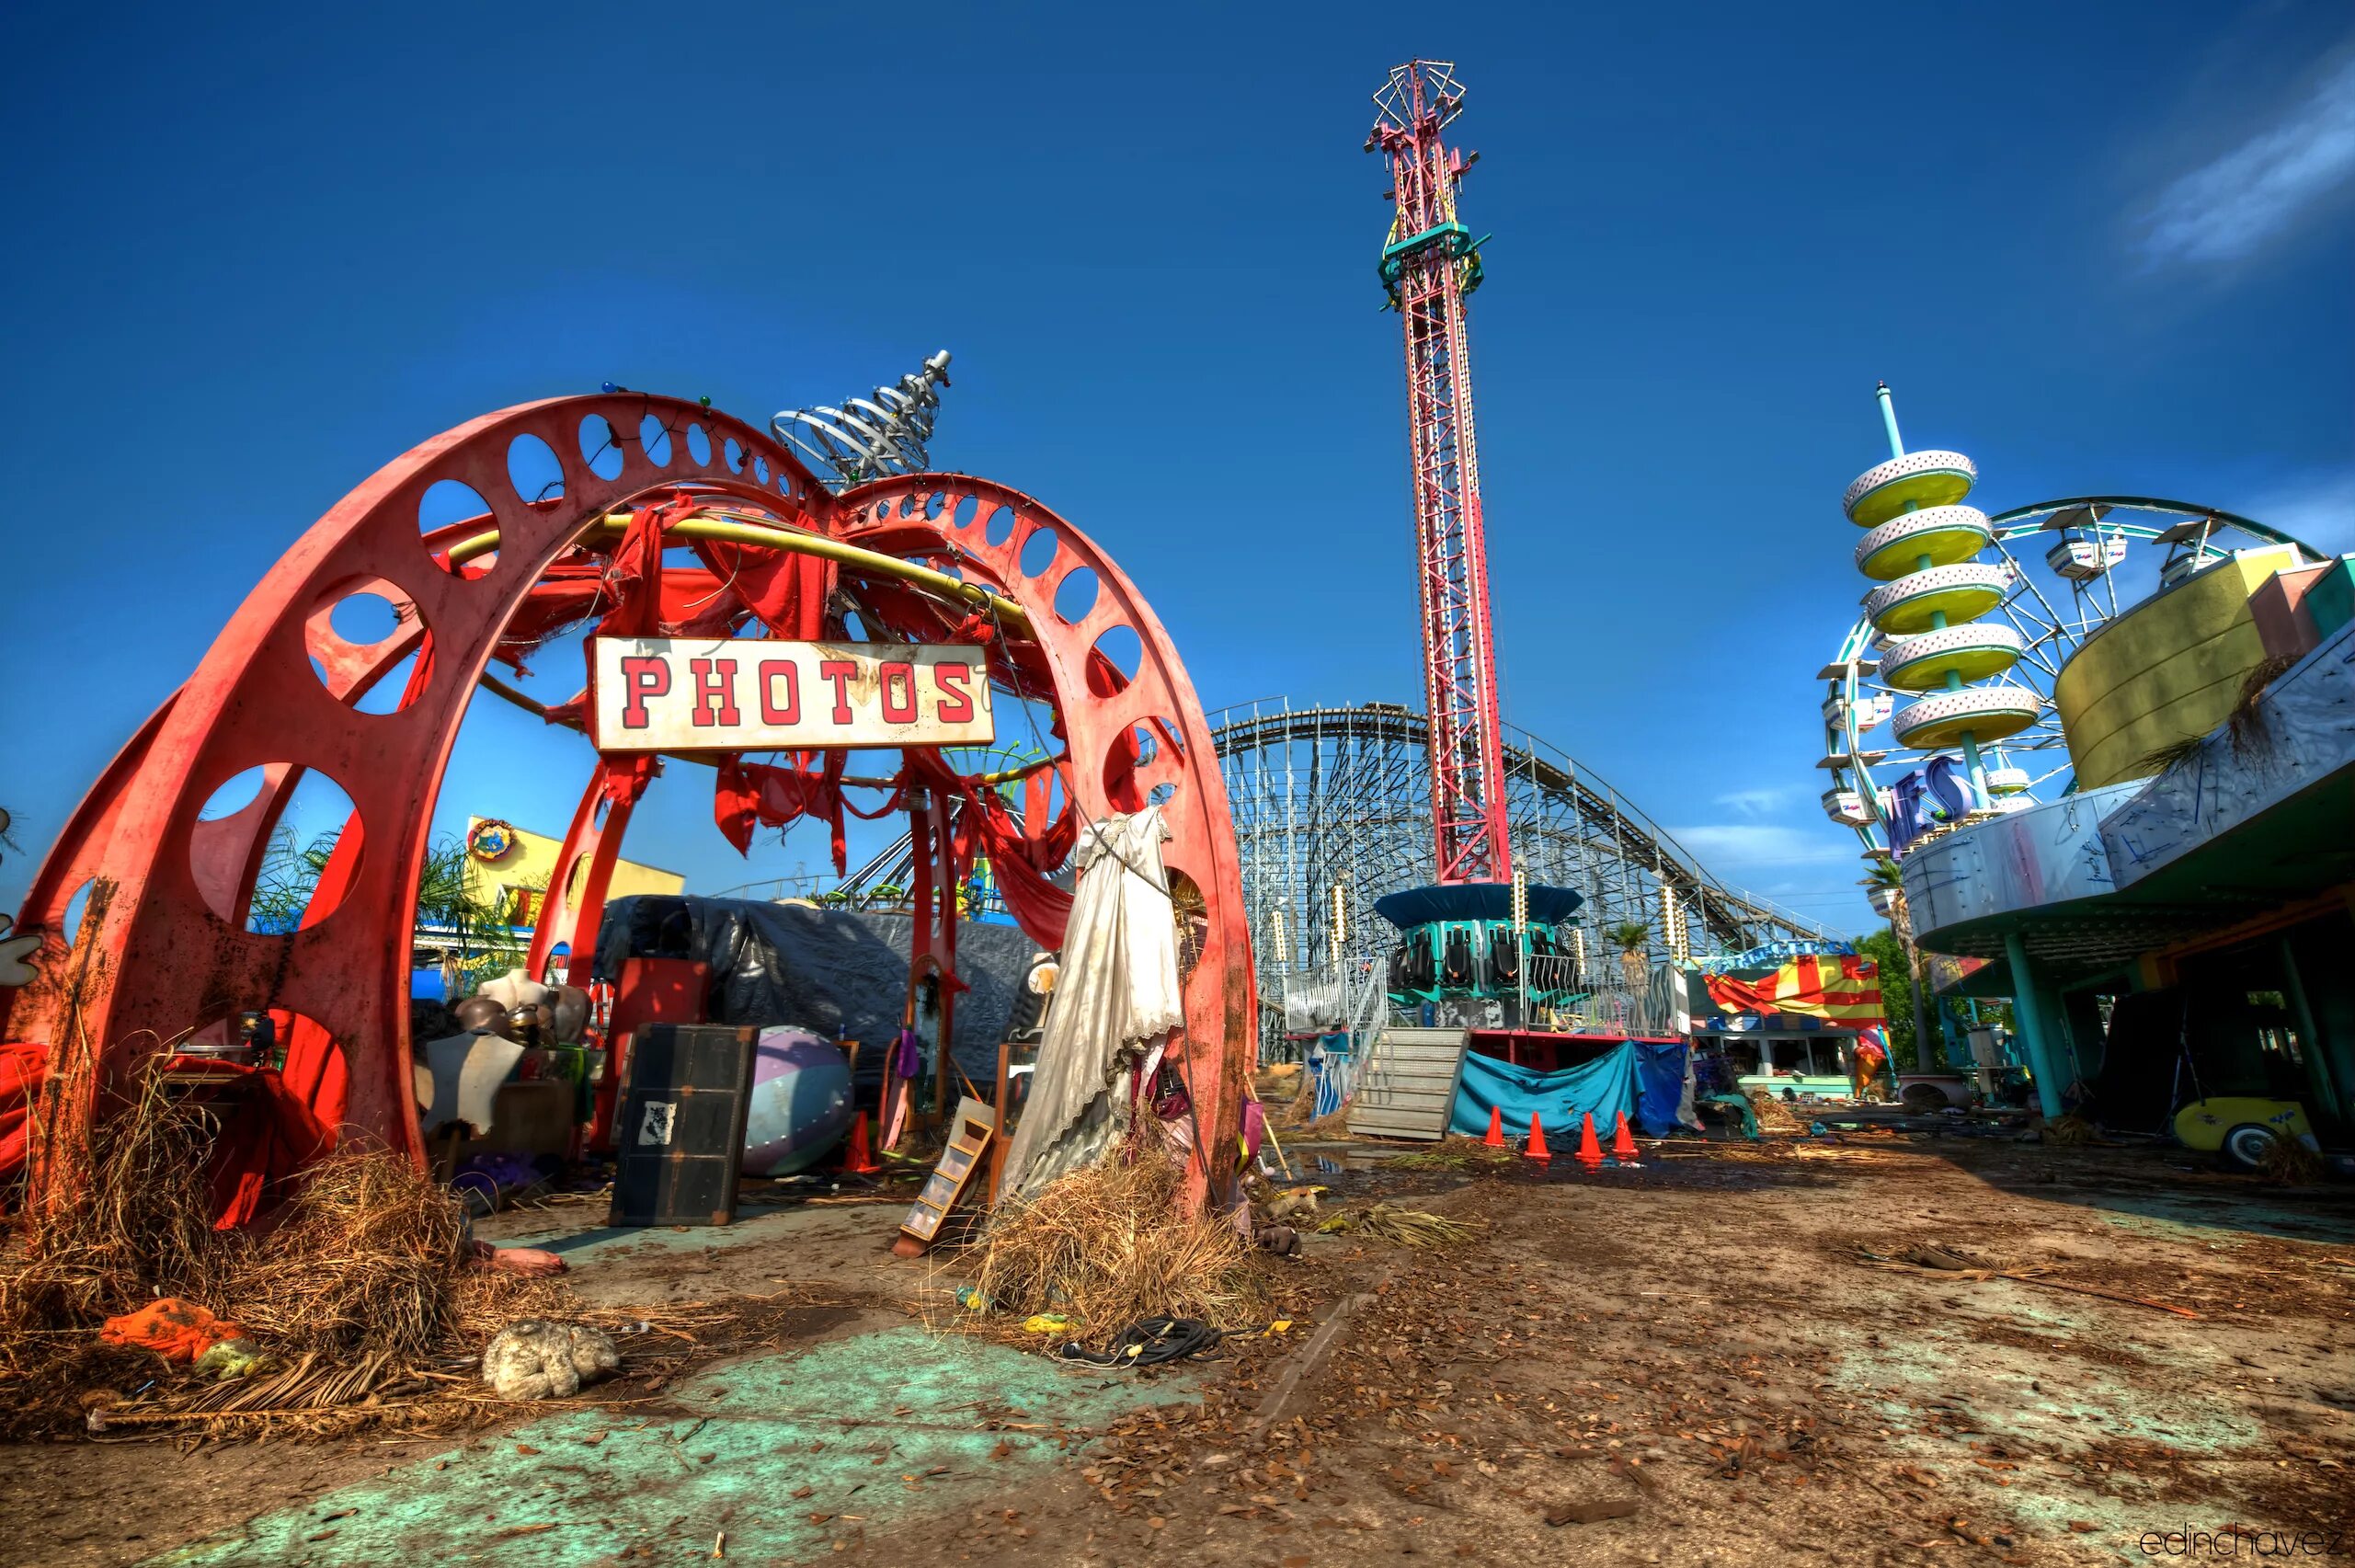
<point x="898" y="709"/>
<point x="772" y="710"/>
<point x="840" y="672"/>
<point x="957" y="701"/>
<point x="645" y="677"/>
<point x="714" y="692"/>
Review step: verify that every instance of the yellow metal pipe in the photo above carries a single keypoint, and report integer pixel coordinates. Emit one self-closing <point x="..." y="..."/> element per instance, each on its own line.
<point x="701" y="527"/>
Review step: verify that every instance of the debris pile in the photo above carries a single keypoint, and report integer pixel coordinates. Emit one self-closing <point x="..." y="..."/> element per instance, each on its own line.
<point x="1111" y="1244"/>
<point x="367" y="1285"/>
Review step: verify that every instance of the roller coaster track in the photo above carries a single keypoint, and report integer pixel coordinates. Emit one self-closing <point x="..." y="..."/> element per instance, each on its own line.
<point x="1339" y="796"/>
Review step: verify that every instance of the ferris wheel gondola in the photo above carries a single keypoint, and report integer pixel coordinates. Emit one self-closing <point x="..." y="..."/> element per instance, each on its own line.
<point x="1970" y="619"/>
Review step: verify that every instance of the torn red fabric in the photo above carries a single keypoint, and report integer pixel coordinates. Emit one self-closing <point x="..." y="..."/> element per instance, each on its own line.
<point x="626" y="776"/>
<point x="272" y="1130"/>
<point x="750" y="793"/>
<point x="562" y="597"/>
<point x="786" y="590"/>
<point x="24" y="1067"/>
<point x="985" y="827"/>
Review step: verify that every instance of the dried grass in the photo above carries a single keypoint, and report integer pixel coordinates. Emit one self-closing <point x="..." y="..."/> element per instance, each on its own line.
<point x="368" y="1259"/>
<point x="1774" y="1115"/>
<point x="367" y="1277"/>
<point x="2071" y="1131"/>
<point x="2252" y="738"/>
<point x="1110" y="1245"/>
<point x="2174" y="754"/>
<point x="141" y="1228"/>
<point x="1330" y="1128"/>
<point x="2288" y="1162"/>
<point x="1404" y="1226"/>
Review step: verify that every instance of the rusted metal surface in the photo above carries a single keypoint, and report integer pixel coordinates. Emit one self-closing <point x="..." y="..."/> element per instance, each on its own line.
<point x="166" y="950"/>
<point x="165" y="961"/>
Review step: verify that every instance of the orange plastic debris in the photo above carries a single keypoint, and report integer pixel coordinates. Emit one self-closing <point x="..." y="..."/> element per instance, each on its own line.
<point x="173" y="1329"/>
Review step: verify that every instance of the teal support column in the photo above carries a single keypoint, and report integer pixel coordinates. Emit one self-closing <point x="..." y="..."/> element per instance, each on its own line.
<point x="2312" y="1046"/>
<point x="2036" y="1026"/>
<point x="1977" y="769"/>
<point x="1889" y="423"/>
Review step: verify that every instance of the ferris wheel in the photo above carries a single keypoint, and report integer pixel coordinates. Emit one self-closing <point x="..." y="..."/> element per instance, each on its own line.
<point x="1972" y="618"/>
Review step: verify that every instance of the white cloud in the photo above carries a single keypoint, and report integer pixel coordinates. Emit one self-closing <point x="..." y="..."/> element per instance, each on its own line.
<point x="1756" y="802"/>
<point x="2226" y="208"/>
<point x="1721" y="846"/>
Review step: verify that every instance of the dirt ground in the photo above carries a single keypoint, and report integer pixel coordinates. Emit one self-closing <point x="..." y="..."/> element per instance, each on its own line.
<point x="1685" y="1362"/>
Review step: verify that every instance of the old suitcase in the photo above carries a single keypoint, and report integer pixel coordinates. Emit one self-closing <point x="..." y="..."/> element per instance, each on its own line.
<point x="680" y="1131"/>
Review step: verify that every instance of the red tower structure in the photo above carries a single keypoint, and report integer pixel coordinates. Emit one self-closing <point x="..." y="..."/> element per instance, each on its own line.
<point x="1429" y="266"/>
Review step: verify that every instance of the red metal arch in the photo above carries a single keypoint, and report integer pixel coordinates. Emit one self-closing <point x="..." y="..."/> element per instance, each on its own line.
<point x="1108" y="719"/>
<point x="152" y="957"/>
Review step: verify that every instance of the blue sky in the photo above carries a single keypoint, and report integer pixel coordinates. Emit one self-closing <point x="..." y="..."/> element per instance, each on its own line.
<point x="258" y="253"/>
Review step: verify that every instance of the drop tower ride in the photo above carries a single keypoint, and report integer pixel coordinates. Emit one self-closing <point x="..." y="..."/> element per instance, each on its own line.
<point x="1430" y="264"/>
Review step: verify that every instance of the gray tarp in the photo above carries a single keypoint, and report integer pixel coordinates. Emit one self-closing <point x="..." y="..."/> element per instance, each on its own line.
<point x="839" y="974"/>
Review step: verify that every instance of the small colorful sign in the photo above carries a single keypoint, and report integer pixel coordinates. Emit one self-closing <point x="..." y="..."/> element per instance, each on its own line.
<point x="738" y="694"/>
<point x="489" y="839"/>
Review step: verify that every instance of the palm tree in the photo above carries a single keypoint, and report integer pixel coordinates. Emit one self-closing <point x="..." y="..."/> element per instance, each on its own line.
<point x="1887" y="878"/>
<point x="446" y="899"/>
<point x="1633" y="939"/>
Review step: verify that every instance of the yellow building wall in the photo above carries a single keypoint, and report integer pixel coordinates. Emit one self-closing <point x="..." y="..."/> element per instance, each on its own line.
<point x="2167" y="669"/>
<point x="530" y="863"/>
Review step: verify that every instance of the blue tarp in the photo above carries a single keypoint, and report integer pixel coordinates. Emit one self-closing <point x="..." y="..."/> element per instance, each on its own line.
<point x="1660" y="1084"/>
<point x="1604" y="1088"/>
<point x="1474" y="901"/>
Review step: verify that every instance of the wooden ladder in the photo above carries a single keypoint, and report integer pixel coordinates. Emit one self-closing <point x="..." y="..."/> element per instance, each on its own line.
<point x="971" y="1131"/>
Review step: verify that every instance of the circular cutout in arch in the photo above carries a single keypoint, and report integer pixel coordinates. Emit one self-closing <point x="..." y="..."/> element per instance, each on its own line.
<point x="364" y="618"/>
<point x="1075" y="595"/>
<point x="69" y="919"/>
<point x="599" y="447"/>
<point x="532" y="469"/>
<point x="1039" y="551"/>
<point x="1138" y="764"/>
<point x="353" y="651"/>
<point x="699" y="446"/>
<point x="967" y="508"/>
<point x="655" y="436"/>
<point x="458" y="528"/>
<point x="1113" y="660"/>
<point x="1001" y="525"/>
<point x="305" y="1049"/>
<point x="276" y="869"/>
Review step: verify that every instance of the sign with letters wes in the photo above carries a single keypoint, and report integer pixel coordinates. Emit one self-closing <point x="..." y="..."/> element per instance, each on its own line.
<point x="735" y="695"/>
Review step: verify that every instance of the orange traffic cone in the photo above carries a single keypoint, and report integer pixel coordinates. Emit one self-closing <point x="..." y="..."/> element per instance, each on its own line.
<point x="1495" y="1139"/>
<point x="1623" y="1142"/>
<point x="1590" y="1148"/>
<point x="1536" y="1148"/>
<point x="861" y="1161"/>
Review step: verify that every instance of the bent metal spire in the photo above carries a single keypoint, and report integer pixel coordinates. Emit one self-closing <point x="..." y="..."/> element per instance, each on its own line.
<point x="1429" y="264"/>
<point x="871" y="438"/>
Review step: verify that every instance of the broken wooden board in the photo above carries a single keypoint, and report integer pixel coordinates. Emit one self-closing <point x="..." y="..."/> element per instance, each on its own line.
<point x="970" y="1133"/>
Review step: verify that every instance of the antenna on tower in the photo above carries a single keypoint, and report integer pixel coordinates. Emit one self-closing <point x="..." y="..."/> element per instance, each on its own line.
<point x="871" y="438"/>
